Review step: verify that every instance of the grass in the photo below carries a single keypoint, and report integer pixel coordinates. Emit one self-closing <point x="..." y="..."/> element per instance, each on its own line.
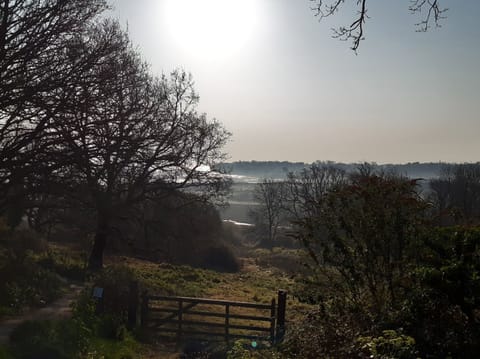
<point x="262" y="275"/>
<point x="128" y="348"/>
<point x="254" y="283"/>
<point x="5" y="353"/>
<point x="35" y="272"/>
<point x="62" y="339"/>
<point x="168" y="279"/>
<point x="65" y="261"/>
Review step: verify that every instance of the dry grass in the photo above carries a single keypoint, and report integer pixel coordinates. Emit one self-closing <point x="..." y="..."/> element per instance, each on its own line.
<point x="256" y="282"/>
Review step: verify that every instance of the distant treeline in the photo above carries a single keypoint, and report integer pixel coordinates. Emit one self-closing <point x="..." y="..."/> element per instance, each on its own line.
<point x="274" y="169"/>
<point x="278" y="169"/>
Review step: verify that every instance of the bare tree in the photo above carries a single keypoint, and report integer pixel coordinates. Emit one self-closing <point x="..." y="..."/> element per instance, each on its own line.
<point x="268" y="214"/>
<point x="456" y="193"/>
<point x="306" y="190"/>
<point x="370" y="227"/>
<point x="355" y="32"/>
<point x="125" y="136"/>
<point x="33" y="65"/>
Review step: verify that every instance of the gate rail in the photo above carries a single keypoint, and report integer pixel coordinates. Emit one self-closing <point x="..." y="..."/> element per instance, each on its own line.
<point x="155" y="316"/>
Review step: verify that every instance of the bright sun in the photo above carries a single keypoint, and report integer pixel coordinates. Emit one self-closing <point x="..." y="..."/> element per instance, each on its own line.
<point x="211" y="29"/>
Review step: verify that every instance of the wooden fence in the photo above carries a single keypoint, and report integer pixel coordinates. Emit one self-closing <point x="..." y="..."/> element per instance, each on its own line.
<point x="185" y="316"/>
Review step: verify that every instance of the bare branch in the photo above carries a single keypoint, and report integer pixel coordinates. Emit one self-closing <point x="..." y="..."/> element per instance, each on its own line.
<point x="354" y="32"/>
<point x="434" y="13"/>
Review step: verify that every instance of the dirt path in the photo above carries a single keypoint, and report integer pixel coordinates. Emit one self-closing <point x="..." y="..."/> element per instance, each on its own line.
<point x="57" y="310"/>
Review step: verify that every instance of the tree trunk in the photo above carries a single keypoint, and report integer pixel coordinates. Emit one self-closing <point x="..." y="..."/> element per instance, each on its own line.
<point x="95" y="262"/>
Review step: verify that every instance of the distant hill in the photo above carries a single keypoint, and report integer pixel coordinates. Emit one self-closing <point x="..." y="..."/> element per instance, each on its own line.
<point x="263" y="169"/>
<point x="279" y="169"/>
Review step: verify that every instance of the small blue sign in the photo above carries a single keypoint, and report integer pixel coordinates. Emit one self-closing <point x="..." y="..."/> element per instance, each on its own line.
<point x="97" y="292"/>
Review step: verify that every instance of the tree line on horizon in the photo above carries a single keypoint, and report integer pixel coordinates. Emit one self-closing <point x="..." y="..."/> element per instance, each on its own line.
<point x="280" y="169"/>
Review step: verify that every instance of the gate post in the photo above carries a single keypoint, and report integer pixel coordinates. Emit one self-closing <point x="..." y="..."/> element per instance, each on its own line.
<point x="272" y="321"/>
<point x="227" y="322"/>
<point x="282" y="305"/>
<point x="180" y="320"/>
<point x="144" y="310"/>
<point x="132" y="305"/>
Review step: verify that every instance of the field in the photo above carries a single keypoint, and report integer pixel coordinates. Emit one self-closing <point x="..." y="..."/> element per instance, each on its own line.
<point x="262" y="274"/>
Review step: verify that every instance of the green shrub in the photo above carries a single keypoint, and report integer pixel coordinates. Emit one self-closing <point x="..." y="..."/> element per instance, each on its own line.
<point x="84" y="313"/>
<point x="115" y="281"/>
<point x="247" y="349"/>
<point x="68" y="339"/>
<point x="28" y="285"/>
<point x="129" y="348"/>
<point x="241" y="350"/>
<point x="106" y="319"/>
<point x="5" y="353"/>
<point x="324" y="333"/>
<point x="389" y="345"/>
<point x="24" y="283"/>
<point x="49" y="339"/>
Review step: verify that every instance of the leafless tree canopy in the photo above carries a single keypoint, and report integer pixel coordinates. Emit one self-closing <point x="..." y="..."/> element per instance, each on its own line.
<point x="268" y="215"/>
<point x="33" y="34"/>
<point x="456" y="194"/>
<point x="83" y="123"/>
<point x="431" y="11"/>
<point x="306" y="190"/>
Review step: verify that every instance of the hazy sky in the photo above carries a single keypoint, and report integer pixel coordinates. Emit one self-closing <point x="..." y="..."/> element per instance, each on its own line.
<point x="272" y="74"/>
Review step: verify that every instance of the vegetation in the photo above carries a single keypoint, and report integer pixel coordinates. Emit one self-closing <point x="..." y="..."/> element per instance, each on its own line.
<point x="25" y="283"/>
<point x="268" y="215"/>
<point x="90" y="128"/>
<point x="385" y="273"/>
<point x="100" y="157"/>
<point x="83" y="336"/>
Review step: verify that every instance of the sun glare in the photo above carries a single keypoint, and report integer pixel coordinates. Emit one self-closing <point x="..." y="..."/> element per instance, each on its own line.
<point x="211" y="29"/>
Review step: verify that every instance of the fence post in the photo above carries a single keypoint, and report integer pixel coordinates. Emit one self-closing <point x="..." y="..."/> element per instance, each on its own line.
<point x="144" y="310"/>
<point x="180" y="318"/>
<point x="272" y="321"/>
<point x="227" y="321"/>
<point x="132" y="305"/>
<point x="282" y="304"/>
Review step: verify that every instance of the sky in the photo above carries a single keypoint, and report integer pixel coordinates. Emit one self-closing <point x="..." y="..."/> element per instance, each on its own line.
<point x="286" y="90"/>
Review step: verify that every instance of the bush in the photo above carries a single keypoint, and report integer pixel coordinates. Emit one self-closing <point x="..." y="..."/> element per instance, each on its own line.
<point x="27" y="285"/>
<point x="286" y="260"/>
<point x="389" y="345"/>
<point x="5" y="353"/>
<point x="108" y="325"/>
<point x="19" y="244"/>
<point x="325" y="333"/>
<point x="108" y="318"/>
<point x="24" y="283"/>
<point x="220" y="258"/>
<point x="66" y="265"/>
<point x="67" y="339"/>
<point x="243" y="349"/>
<point x="49" y="339"/>
<point x="115" y="281"/>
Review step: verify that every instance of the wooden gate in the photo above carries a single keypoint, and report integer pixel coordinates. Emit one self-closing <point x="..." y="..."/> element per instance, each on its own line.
<point x="185" y="316"/>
